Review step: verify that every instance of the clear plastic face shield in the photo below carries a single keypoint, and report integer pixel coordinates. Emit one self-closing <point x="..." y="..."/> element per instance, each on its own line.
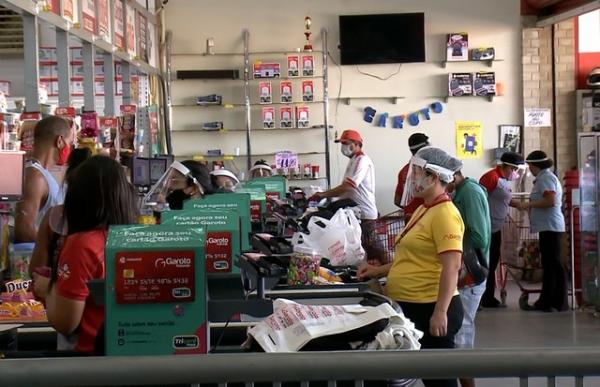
<point x="225" y="180"/>
<point x="260" y="170"/>
<point x="416" y="181"/>
<point x="177" y="179"/>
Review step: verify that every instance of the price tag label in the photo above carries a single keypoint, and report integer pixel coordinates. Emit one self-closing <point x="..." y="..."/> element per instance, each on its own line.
<point x="286" y="159"/>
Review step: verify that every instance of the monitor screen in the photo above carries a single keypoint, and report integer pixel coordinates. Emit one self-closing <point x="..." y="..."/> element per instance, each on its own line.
<point x="140" y="171"/>
<point x="383" y="38"/>
<point x="11" y="175"/>
<point x="158" y="166"/>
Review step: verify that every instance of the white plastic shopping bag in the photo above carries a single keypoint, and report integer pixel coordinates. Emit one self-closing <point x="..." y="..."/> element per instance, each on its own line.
<point x="338" y="238"/>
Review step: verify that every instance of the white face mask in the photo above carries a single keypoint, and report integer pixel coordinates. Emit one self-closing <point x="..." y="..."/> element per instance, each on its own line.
<point x="346" y="150"/>
<point x="420" y="186"/>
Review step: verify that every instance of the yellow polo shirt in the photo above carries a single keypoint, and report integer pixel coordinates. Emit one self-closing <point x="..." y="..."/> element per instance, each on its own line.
<point x="415" y="273"/>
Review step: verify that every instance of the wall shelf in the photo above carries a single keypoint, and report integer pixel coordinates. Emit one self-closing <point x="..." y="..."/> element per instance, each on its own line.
<point x="318" y="127"/>
<point x="231" y="157"/>
<point x="393" y="99"/>
<point x="489" y="62"/>
<point x="252" y="53"/>
<point x="249" y="80"/>
<point x="447" y="98"/>
<point x="241" y="105"/>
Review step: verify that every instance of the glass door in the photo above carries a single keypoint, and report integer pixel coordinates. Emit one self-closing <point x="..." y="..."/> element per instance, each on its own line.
<point x="589" y="144"/>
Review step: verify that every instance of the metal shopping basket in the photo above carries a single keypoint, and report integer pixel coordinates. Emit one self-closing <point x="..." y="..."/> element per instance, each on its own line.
<point x="384" y="233"/>
<point x="520" y="256"/>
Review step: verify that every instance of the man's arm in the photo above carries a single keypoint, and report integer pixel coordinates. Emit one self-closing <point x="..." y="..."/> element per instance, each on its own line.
<point x="35" y="192"/>
<point x="340" y="190"/>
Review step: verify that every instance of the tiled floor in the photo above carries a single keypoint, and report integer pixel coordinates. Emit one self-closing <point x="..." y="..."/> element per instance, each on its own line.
<point x="511" y="327"/>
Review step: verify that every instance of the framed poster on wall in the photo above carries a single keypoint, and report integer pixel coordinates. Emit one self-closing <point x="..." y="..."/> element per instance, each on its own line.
<point x="88" y="15"/>
<point x="118" y="24"/>
<point x="511" y="138"/>
<point x="103" y="20"/>
<point x="130" y="30"/>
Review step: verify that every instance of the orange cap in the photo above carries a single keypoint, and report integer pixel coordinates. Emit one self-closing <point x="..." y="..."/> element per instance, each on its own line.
<point x="350" y="135"/>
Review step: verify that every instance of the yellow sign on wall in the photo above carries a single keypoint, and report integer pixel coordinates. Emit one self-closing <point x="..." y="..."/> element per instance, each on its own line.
<point x="469" y="140"/>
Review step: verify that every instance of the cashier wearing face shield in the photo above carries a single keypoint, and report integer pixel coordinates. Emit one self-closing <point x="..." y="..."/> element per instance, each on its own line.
<point x="261" y="169"/>
<point x="182" y="181"/>
<point x="224" y="180"/>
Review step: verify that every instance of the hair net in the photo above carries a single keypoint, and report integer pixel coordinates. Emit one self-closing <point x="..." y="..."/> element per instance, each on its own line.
<point x="440" y="162"/>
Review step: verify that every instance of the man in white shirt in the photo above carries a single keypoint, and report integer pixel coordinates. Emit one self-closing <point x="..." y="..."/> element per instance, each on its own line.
<point x="358" y="185"/>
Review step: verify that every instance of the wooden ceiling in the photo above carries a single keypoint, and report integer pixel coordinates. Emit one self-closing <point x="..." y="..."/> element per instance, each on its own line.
<point x="545" y="8"/>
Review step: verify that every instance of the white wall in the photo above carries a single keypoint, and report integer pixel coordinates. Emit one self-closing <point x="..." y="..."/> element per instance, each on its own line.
<point x="279" y="25"/>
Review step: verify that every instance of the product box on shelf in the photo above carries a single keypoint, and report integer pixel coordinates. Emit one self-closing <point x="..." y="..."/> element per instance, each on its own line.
<point x="292" y="65"/>
<point x="457" y="47"/>
<point x="265" y="92"/>
<point x="48" y="69"/>
<point x="268" y="117"/>
<point x="103" y="23"/>
<point x="286" y="91"/>
<point x="47" y="54"/>
<point x="485" y="53"/>
<point x="76" y="69"/>
<point x="222" y="235"/>
<point x="99" y="86"/>
<point x="155" y="293"/>
<point x="77" y="86"/>
<point x="88" y="15"/>
<point x="131" y="37"/>
<point x="266" y="70"/>
<point x="69" y="10"/>
<point x="308" y="65"/>
<point x="484" y="84"/>
<point x="118" y="20"/>
<point x="302" y="116"/>
<point x="460" y="84"/>
<point x="76" y="54"/>
<point x="236" y="202"/>
<point x="51" y="86"/>
<point x="286" y="117"/>
<point x="308" y="89"/>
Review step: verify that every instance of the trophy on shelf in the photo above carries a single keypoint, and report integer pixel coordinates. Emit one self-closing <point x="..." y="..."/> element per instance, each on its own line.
<point x="307" y="33"/>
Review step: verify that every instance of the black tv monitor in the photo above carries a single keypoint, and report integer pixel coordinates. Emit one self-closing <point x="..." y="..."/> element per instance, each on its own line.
<point x="383" y="38"/>
<point x="12" y="173"/>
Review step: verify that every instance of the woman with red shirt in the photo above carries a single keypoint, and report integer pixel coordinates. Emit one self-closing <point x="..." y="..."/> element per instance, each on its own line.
<point x="99" y="196"/>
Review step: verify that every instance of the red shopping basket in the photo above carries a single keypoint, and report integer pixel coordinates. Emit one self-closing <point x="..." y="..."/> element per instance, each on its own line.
<point x="384" y="234"/>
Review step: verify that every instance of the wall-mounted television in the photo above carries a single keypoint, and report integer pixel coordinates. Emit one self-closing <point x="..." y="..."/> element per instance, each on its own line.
<point x="383" y="38"/>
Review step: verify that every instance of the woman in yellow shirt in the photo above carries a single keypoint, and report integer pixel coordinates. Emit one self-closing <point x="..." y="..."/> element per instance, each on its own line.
<point x="424" y="274"/>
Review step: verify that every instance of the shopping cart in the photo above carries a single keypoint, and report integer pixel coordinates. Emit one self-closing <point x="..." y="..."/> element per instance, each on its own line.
<point x="520" y="256"/>
<point x="384" y="233"/>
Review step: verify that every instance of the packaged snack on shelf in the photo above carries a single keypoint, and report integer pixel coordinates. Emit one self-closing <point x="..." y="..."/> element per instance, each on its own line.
<point x="484" y="84"/>
<point x="460" y="84"/>
<point x="89" y="125"/>
<point x="20" y="257"/>
<point x="268" y="117"/>
<point x="308" y="91"/>
<point x="27" y="125"/>
<point x="285" y="88"/>
<point x="308" y="65"/>
<point x="292" y="65"/>
<point x="108" y="131"/>
<point x="286" y="117"/>
<point x="19" y="304"/>
<point x="127" y="128"/>
<point x="265" y="92"/>
<point x="457" y="47"/>
<point x="302" y="116"/>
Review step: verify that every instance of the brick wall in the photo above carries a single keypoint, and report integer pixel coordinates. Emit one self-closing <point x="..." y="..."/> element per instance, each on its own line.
<point x="565" y="104"/>
<point x="537" y="90"/>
